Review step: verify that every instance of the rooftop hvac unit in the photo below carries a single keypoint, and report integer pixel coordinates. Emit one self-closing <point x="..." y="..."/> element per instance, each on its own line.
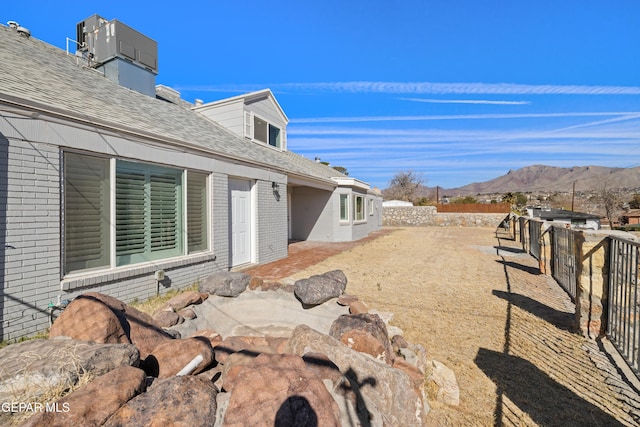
<point x="105" y="40"/>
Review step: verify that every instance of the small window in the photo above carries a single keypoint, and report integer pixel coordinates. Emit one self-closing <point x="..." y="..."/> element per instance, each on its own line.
<point x="370" y="203"/>
<point x="359" y="207"/>
<point x="344" y="207"/>
<point x="274" y="136"/>
<point x="260" y="130"/>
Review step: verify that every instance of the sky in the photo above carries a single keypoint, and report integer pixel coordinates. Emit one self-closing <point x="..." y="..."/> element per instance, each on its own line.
<point x="458" y="91"/>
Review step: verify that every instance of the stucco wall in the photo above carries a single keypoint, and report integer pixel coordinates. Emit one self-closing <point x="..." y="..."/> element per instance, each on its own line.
<point x="421" y="216"/>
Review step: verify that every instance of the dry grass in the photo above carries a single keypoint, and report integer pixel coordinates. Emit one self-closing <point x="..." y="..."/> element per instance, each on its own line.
<point x="39" y="393"/>
<point x="498" y="326"/>
<point x="151" y="305"/>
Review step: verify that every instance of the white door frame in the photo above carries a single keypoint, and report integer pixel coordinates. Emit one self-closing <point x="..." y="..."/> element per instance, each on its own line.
<point x="241" y="196"/>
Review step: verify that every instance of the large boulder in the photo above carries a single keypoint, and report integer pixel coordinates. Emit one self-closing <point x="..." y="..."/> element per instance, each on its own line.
<point x="176" y="401"/>
<point x="390" y="391"/>
<point x="279" y="390"/>
<point x="171" y="356"/>
<point x="77" y="322"/>
<point x="89" y="319"/>
<point x="225" y="284"/>
<point x="35" y="367"/>
<point x="320" y="288"/>
<point x="365" y="333"/>
<point x="93" y="403"/>
<point x="249" y="345"/>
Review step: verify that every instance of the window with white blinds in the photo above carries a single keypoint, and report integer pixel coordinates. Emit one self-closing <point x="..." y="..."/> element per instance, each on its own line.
<point x="197" y="224"/>
<point x="148" y="212"/>
<point x="344" y="207"/>
<point x="152" y="218"/>
<point x="86" y="212"/>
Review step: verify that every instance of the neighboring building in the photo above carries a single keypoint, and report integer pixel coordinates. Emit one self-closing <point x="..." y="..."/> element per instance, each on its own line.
<point x="395" y="203"/>
<point x="107" y="179"/>
<point x="631" y="217"/>
<point x="577" y="220"/>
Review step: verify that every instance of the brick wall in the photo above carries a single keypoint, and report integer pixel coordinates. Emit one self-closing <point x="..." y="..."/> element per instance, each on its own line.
<point x="31" y="235"/>
<point x="271" y="221"/>
<point x="30" y="277"/>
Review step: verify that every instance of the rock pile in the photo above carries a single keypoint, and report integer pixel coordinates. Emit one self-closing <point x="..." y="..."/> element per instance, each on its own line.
<point x="142" y="372"/>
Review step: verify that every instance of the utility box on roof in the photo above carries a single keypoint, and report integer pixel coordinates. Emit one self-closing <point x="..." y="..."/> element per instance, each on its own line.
<point x="105" y="40"/>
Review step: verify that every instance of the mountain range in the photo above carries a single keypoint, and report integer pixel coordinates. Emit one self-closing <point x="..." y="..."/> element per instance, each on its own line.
<point x="541" y="178"/>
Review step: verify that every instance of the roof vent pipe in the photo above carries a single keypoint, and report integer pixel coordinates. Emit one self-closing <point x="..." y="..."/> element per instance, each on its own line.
<point x="24" y="32"/>
<point x="21" y="30"/>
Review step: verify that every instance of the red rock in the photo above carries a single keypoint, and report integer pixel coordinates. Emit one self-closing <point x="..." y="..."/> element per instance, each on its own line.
<point x="346" y="299"/>
<point x="358" y="307"/>
<point x="185" y="299"/>
<point x="89" y="319"/>
<point x="416" y="375"/>
<point x="364" y="342"/>
<point x="214" y="338"/>
<point x="322" y="366"/>
<point x="93" y="403"/>
<point x="250" y="345"/>
<point x="141" y="329"/>
<point x="370" y="324"/>
<point x="167" y="319"/>
<point x="279" y="390"/>
<point x="187" y="314"/>
<point x="171" y="356"/>
<point x="176" y="401"/>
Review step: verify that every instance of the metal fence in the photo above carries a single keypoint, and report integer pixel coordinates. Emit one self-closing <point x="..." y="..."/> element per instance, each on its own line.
<point x="535" y="230"/>
<point x="563" y="267"/>
<point x="622" y="327"/>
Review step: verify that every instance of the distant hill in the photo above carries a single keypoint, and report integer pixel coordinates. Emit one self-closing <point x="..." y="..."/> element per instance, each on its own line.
<point x="549" y="178"/>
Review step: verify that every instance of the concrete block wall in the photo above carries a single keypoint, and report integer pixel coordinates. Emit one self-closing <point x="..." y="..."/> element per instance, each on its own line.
<point x="271" y="219"/>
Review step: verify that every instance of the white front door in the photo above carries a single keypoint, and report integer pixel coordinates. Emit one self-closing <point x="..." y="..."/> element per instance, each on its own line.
<point x="240" y="221"/>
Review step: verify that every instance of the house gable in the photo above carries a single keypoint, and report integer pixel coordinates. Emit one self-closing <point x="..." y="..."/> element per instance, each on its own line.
<point x="256" y="116"/>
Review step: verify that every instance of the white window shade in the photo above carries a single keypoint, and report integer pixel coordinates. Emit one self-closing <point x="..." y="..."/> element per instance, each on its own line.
<point x="86" y="212"/>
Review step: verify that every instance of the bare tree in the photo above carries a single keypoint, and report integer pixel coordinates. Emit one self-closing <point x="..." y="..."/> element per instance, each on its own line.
<point x="404" y="185"/>
<point x="610" y="201"/>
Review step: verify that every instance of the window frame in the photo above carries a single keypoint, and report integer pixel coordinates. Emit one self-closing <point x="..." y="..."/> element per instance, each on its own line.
<point x="359" y="208"/>
<point x="346" y="217"/>
<point x="109" y="210"/>
<point x="250" y="131"/>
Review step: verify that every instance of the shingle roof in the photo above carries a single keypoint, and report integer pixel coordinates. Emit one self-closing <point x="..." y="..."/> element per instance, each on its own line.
<point x="41" y="74"/>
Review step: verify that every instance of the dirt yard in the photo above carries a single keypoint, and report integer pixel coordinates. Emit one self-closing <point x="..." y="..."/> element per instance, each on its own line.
<point x="486" y="314"/>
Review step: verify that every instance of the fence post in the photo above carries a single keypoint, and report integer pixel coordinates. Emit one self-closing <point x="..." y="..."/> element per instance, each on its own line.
<point x="592" y="282"/>
<point x="545" y="249"/>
